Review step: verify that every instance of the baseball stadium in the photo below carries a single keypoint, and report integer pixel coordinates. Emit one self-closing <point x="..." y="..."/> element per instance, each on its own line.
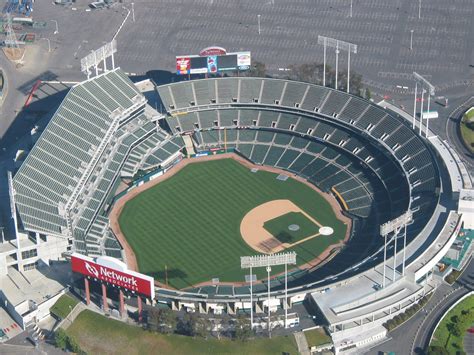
<point x="228" y="167"/>
<point x="333" y="159"/>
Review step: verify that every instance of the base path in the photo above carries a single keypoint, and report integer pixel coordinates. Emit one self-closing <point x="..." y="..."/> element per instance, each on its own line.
<point x="257" y="237"/>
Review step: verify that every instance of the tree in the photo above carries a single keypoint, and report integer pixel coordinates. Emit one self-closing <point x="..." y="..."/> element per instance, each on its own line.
<point x="202" y="327"/>
<point x="455" y="319"/>
<point x="73" y="345"/>
<point x="309" y="72"/>
<point x="161" y="320"/>
<point x="61" y="338"/>
<point x="368" y="94"/>
<point x="187" y="324"/>
<point x="243" y="331"/>
<point x="437" y="350"/>
<point x="153" y="319"/>
<point x="465" y="312"/>
<point x="258" y="69"/>
<point x="167" y="321"/>
<point x="453" y="329"/>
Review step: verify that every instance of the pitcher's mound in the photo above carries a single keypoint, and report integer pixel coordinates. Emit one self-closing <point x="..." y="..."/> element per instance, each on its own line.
<point x="326" y="231"/>
<point x="294" y="227"/>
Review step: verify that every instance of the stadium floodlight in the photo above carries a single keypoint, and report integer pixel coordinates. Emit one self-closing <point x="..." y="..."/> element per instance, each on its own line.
<point x="93" y="59"/>
<point x="339" y="45"/>
<point x="394" y="226"/>
<point x="267" y="261"/>
<point x="425" y="85"/>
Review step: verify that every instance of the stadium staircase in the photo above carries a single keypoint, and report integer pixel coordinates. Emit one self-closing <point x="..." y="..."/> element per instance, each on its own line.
<point x="188" y="142"/>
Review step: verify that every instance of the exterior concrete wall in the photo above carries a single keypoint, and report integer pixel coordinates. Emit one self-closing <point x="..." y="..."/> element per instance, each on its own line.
<point x="441" y="252"/>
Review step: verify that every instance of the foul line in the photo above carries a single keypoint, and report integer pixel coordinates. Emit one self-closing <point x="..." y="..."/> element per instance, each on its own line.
<point x="301" y="241"/>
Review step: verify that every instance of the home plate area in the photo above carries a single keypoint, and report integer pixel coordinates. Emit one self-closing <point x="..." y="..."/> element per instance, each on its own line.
<point x="326" y="231"/>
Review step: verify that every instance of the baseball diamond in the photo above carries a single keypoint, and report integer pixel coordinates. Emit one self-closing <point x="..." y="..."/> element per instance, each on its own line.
<point x="292" y="227"/>
<point x="190" y="223"/>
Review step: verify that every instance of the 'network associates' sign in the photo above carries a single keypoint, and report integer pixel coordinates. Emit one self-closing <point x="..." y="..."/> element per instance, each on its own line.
<point x="115" y="272"/>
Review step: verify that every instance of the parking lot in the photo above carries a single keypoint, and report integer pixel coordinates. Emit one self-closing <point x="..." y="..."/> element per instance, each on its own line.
<point x="289" y="30"/>
<point x="441" y="46"/>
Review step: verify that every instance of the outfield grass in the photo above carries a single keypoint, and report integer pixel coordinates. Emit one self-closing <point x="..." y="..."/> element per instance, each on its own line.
<point x="442" y="336"/>
<point x="278" y="227"/>
<point x="63" y="306"/>
<point x="97" y="334"/>
<point x="191" y="222"/>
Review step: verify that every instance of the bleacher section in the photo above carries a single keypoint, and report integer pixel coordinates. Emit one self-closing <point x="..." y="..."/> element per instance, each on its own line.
<point x="68" y="149"/>
<point x="101" y="132"/>
<point x="390" y="150"/>
<point x="325" y="166"/>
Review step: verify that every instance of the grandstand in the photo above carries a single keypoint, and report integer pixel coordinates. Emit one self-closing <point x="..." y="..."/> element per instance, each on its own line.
<point x="104" y="133"/>
<point x="100" y="133"/>
<point x="374" y="163"/>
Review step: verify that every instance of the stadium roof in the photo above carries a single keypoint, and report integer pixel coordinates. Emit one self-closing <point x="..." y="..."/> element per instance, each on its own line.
<point x="57" y="166"/>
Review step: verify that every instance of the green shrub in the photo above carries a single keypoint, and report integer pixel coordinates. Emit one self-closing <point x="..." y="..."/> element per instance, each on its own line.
<point x="437" y="350"/>
<point x="453" y="276"/>
<point x="73" y="345"/>
<point x="67" y="342"/>
<point x="60" y="339"/>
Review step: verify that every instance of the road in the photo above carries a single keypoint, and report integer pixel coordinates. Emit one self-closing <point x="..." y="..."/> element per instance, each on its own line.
<point x="453" y="135"/>
<point x="415" y="334"/>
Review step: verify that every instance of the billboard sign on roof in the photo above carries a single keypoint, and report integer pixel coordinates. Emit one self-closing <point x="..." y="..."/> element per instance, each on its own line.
<point x="212" y="51"/>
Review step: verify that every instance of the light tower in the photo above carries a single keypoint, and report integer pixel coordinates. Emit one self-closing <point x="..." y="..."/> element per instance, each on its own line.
<point x="395" y="226"/>
<point x="267" y="261"/>
<point x="13" y="50"/>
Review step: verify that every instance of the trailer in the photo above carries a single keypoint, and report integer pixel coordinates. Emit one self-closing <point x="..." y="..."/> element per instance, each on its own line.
<point x="430" y="114"/>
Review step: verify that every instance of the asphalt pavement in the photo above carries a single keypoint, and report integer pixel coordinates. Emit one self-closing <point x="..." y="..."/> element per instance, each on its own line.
<point x="156" y="32"/>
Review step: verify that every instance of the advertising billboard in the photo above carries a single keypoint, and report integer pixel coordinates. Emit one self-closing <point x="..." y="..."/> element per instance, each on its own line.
<point x="114" y="272"/>
<point x="212" y="63"/>
<point x="243" y="60"/>
<point x="183" y="65"/>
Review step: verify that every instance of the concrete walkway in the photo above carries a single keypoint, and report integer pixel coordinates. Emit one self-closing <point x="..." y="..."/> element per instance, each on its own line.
<point x="302" y="343"/>
<point x="469" y="343"/>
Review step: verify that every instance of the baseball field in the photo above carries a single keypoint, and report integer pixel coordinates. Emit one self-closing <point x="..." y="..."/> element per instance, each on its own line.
<point x="188" y="229"/>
